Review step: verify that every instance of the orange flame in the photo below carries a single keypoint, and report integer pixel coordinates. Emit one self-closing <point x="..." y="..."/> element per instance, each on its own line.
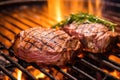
<point x="61" y="8"/>
<point x="54" y="7"/>
<point x="114" y="58"/>
<point x="19" y="75"/>
<point x="113" y="73"/>
<point x="35" y="72"/>
<point x="57" y="9"/>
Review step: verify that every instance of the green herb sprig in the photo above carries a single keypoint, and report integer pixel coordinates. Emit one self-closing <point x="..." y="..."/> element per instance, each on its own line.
<point x="83" y="18"/>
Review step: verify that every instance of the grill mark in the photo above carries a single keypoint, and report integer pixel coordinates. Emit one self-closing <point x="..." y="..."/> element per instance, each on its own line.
<point x="57" y="36"/>
<point x="38" y="33"/>
<point x="57" y="44"/>
<point x="30" y="39"/>
<point x="32" y="44"/>
<point x="50" y="32"/>
<point x="53" y="38"/>
<point x="61" y="38"/>
<point x="47" y="34"/>
<point x="26" y="45"/>
<point x="29" y="33"/>
<point x="44" y="43"/>
<point x="54" y="41"/>
<point x="40" y="39"/>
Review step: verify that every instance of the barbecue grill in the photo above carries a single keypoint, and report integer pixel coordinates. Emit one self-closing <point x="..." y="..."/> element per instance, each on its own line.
<point x="20" y="15"/>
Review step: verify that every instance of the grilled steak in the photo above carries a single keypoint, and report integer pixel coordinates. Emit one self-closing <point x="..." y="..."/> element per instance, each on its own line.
<point x="94" y="37"/>
<point x="45" y="46"/>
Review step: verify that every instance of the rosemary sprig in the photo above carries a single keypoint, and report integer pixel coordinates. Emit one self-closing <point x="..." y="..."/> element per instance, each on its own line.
<point x="83" y="18"/>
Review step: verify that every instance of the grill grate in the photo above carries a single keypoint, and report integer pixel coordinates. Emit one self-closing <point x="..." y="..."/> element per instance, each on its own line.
<point x="17" y="65"/>
<point x="12" y="21"/>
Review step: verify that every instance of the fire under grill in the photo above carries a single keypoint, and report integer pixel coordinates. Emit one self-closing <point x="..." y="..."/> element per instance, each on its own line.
<point x="88" y="66"/>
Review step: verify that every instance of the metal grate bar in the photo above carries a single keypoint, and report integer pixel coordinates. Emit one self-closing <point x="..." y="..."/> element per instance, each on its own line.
<point x="18" y="18"/>
<point x="5" y="37"/>
<point x="1" y="25"/>
<point x="17" y="65"/>
<point x="6" y="20"/>
<point x="103" y="59"/>
<point x="40" y="20"/>
<point x="41" y="17"/>
<point x="7" y="73"/>
<point x="2" y="46"/>
<point x="43" y="71"/>
<point x="36" y="21"/>
<point x="111" y="65"/>
<point x="68" y="75"/>
<point x="82" y="72"/>
<point x="115" y="63"/>
<point x="98" y="69"/>
<point x="45" y="14"/>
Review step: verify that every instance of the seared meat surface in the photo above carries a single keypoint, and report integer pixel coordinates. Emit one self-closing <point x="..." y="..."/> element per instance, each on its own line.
<point x="45" y="46"/>
<point x="94" y="37"/>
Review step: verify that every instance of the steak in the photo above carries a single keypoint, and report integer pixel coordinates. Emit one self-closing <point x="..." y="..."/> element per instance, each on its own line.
<point x="45" y="46"/>
<point x="94" y="37"/>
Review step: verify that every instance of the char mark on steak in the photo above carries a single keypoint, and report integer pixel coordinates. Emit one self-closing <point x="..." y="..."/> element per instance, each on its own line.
<point x="45" y="46"/>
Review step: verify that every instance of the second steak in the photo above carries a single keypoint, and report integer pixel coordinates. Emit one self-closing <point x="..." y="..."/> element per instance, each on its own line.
<point x="95" y="37"/>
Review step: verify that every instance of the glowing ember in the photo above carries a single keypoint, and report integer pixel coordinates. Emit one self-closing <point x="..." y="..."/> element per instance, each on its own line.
<point x="36" y="73"/>
<point x="114" y="58"/>
<point x="113" y="73"/>
<point x="19" y="75"/>
<point x="81" y="55"/>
